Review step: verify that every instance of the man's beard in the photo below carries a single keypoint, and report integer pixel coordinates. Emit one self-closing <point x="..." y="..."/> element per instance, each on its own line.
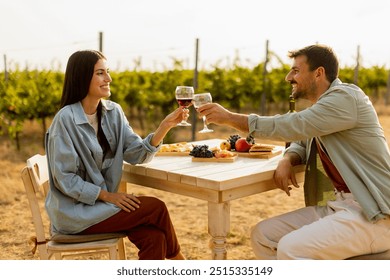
<point x="298" y="95"/>
<point x="305" y="93"/>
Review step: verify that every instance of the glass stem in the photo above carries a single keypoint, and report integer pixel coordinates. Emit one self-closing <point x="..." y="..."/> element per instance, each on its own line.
<point x="204" y="123"/>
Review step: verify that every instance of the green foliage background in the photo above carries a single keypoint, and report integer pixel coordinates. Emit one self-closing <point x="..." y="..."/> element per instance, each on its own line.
<point x="147" y="96"/>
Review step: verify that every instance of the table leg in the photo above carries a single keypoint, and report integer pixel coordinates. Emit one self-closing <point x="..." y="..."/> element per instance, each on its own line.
<point x="122" y="187"/>
<point x="218" y="227"/>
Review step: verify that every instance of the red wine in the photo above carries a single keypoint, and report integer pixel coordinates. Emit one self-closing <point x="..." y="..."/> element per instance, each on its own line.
<point x="184" y="102"/>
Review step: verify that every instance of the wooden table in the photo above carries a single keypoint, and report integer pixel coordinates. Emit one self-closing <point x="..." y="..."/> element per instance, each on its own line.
<point x="217" y="183"/>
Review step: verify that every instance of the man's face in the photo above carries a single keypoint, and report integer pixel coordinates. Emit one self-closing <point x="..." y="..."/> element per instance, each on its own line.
<point x="301" y="79"/>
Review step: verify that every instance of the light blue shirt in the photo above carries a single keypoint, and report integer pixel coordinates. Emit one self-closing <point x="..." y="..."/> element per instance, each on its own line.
<point x="77" y="169"/>
<point x="347" y="125"/>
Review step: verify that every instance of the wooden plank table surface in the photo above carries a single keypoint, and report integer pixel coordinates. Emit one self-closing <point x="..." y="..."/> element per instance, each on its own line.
<point x="215" y="182"/>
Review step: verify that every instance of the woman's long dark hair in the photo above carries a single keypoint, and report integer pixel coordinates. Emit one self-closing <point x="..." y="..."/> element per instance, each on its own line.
<point x="78" y="76"/>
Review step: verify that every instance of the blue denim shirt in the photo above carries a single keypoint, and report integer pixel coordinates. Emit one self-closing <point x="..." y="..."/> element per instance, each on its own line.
<point x="77" y="169"/>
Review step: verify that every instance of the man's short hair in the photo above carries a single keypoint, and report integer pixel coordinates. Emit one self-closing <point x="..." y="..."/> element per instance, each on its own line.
<point x="320" y="56"/>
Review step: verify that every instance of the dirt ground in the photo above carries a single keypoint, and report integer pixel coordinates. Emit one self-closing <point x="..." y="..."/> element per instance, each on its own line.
<point x="189" y="215"/>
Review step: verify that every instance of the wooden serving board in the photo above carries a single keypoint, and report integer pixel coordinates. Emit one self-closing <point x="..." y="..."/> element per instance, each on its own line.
<point x="173" y="154"/>
<point x="214" y="159"/>
<point x="259" y="155"/>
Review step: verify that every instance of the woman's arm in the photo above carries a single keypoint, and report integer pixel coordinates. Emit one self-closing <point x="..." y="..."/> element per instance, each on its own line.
<point x="167" y="123"/>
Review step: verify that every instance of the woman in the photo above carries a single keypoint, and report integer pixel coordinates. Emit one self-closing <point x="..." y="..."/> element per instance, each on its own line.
<point x="85" y="145"/>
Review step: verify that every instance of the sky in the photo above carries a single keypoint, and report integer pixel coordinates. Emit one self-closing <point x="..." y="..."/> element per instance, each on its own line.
<point x="42" y="34"/>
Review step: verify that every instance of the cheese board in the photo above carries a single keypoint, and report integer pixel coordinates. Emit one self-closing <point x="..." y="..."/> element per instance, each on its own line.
<point x="263" y="155"/>
<point x="214" y="159"/>
<point x="173" y="154"/>
<point x="175" y="149"/>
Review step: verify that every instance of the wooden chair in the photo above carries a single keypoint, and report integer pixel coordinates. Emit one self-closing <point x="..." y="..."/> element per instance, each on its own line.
<point x="35" y="177"/>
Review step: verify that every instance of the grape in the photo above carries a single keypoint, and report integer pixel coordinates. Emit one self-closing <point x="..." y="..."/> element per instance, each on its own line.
<point x="232" y="140"/>
<point x="201" y="151"/>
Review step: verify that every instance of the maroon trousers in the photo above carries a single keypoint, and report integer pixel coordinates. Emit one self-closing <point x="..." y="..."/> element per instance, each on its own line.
<point x="149" y="228"/>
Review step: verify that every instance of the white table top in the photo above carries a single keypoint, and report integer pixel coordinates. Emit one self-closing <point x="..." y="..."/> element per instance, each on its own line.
<point x="213" y="176"/>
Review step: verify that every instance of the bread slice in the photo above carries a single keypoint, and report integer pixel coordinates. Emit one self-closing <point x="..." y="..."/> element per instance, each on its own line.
<point x="261" y="148"/>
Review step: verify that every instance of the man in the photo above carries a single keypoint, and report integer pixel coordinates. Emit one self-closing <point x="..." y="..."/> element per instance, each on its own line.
<point x="342" y="128"/>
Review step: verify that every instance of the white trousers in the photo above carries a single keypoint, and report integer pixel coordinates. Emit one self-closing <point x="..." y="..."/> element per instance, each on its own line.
<point x="333" y="232"/>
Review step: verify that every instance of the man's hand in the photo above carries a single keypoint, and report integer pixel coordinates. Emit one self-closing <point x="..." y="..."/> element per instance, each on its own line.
<point x="284" y="175"/>
<point x="217" y="114"/>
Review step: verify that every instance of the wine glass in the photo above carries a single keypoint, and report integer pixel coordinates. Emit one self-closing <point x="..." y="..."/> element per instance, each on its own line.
<point x="184" y="95"/>
<point x="198" y="100"/>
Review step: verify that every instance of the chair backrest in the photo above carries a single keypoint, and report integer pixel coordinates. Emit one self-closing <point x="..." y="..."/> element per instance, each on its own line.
<point x="39" y="170"/>
<point x="36" y="181"/>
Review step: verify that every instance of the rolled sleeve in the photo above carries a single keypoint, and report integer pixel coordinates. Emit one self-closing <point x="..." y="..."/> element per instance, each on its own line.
<point x="261" y="126"/>
<point x="297" y="148"/>
<point x="150" y="148"/>
<point x="89" y="193"/>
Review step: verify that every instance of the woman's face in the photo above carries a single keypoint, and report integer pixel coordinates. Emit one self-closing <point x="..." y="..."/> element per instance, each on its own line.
<point x="100" y="82"/>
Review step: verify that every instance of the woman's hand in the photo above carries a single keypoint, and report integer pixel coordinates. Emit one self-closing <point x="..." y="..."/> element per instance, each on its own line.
<point x="175" y="117"/>
<point x="167" y="123"/>
<point x="125" y="201"/>
<point x="284" y="175"/>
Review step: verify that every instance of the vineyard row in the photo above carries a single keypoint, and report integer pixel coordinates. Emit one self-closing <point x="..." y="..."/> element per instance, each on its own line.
<point x="35" y="95"/>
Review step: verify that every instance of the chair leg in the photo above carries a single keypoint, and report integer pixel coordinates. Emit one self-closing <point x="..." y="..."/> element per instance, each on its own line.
<point x="43" y="253"/>
<point x="121" y="249"/>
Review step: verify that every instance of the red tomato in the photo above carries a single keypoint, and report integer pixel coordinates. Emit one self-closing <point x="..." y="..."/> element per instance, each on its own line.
<point x="242" y="145"/>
